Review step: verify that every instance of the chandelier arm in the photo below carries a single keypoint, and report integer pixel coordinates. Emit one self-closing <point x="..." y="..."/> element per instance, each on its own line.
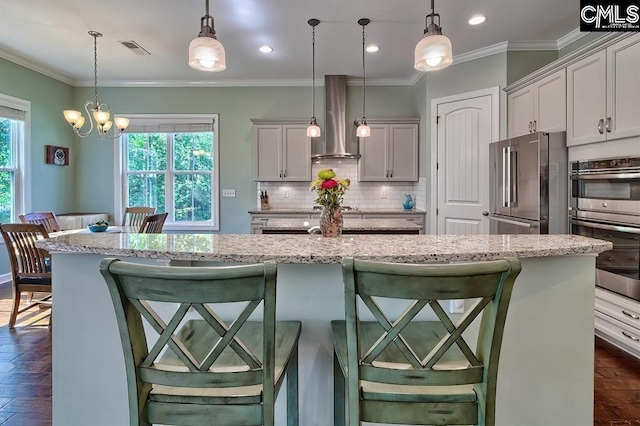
<point x="95" y="69"/>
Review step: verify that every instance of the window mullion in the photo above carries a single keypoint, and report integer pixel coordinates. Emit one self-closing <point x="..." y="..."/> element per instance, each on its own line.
<point x="168" y="186"/>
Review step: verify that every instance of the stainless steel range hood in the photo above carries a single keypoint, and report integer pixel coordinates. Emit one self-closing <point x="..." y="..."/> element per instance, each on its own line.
<point x="335" y="144"/>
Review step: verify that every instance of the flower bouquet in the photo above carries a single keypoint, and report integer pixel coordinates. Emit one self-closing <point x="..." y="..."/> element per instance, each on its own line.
<point x="330" y="191"/>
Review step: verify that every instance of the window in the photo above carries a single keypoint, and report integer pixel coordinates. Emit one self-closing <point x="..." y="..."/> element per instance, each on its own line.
<point x="14" y="119"/>
<point x="171" y="163"/>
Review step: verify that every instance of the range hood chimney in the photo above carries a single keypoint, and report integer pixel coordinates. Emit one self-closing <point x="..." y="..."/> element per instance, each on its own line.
<point x="335" y="145"/>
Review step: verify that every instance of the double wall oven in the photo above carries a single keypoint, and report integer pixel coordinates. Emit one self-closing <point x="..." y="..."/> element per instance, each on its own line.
<point x="605" y="204"/>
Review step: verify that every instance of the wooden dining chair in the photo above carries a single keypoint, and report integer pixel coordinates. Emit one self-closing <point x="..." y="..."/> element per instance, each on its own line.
<point x="134" y="216"/>
<point x="213" y="372"/>
<point x="153" y="224"/>
<point x="30" y="266"/>
<point x="48" y="219"/>
<point x="404" y="371"/>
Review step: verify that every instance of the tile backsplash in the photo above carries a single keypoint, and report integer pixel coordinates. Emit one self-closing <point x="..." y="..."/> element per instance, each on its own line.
<point x="363" y="195"/>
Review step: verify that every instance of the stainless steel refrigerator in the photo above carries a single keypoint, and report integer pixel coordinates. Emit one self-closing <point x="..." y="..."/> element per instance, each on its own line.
<point x="529" y="181"/>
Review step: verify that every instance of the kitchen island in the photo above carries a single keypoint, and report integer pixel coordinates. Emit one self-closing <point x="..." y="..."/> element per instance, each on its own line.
<point x="546" y="368"/>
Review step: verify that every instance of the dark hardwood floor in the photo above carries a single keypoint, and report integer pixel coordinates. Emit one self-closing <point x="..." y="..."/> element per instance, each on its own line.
<point x="25" y="374"/>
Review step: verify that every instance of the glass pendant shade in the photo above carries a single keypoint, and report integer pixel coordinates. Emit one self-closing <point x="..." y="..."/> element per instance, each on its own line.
<point x="106" y="126"/>
<point x="79" y="123"/>
<point x="433" y="53"/>
<point x="121" y="122"/>
<point x="207" y="54"/>
<point x="100" y="116"/>
<point x="72" y="116"/>
<point x="313" y="131"/>
<point x="363" y="131"/>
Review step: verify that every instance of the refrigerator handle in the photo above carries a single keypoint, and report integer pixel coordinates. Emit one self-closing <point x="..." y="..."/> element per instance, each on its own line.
<point x="513" y="178"/>
<point x="506" y="174"/>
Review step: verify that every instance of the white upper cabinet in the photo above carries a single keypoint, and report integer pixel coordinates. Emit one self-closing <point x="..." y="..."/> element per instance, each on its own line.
<point x="603" y="99"/>
<point x="623" y="89"/>
<point x="390" y="153"/>
<point x="283" y="152"/>
<point x="539" y="107"/>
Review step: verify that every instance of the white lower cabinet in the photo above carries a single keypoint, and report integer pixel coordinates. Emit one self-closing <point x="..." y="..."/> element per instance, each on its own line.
<point x="617" y="320"/>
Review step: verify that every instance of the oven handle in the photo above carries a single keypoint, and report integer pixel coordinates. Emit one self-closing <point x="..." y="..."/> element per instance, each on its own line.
<point x="514" y="222"/>
<point x="627" y="229"/>
<point x="606" y="176"/>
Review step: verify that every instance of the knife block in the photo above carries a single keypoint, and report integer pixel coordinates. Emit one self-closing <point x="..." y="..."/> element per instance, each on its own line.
<point x="264" y="203"/>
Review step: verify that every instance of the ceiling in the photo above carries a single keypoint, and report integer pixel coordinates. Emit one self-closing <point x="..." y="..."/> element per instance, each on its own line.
<point x="53" y="35"/>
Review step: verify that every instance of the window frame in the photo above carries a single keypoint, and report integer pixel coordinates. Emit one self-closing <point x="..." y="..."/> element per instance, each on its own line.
<point x="21" y="151"/>
<point x="120" y="160"/>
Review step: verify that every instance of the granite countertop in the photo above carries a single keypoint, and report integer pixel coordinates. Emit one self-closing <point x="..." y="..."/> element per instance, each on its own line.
<point x="348" y="224"/>
<point x="316" y="249"/>
<point x="310" y="210"/>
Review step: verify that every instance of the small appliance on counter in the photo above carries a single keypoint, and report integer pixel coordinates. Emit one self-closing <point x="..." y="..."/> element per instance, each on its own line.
<point x="264" y="200"/>
<point x="528" y="185"/>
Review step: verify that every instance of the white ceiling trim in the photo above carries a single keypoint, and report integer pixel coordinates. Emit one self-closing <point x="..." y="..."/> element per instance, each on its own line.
<point x="458" y="59"/>
<point x="35" y="66"/>
<point x="570" y="37"/>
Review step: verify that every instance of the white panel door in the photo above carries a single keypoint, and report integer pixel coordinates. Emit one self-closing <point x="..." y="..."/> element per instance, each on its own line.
<point x="623" y="89"/>
<point x="550" y="103"/>
<point x="373" y="164"/>
<point x="586" y="99"/>
<point x="464" y="134"/>
<point x="520" y="107"/>
<point x="268" y="144"/>
<point x="296" y="154"/>
<point x="403" y="152"/>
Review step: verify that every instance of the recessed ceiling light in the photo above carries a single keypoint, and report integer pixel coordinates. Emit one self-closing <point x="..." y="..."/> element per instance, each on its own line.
<point x="372" y="48"/>
<point x="266" y="49"/>
<point x="477" y="19"/>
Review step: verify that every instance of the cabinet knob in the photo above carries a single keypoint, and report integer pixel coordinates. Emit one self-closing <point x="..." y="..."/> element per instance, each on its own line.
<point x="600" y="126"/>
<point x="387" y="174"/>
<point x="535" y="126"/>
<point x="284" y="173"/>
<point x="530" y="127"/>
<point x="391" y="174"/>
<point x="607" y="124"/>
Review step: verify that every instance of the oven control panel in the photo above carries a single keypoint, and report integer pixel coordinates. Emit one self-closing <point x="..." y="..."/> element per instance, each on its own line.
<point x="608" y="164"/>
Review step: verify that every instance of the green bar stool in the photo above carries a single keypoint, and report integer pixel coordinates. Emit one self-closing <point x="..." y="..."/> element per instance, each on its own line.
<point x="404" y="371"/>
<point x="203" y="371"/>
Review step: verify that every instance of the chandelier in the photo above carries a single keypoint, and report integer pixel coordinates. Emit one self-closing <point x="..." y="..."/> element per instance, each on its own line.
<point x="99" y="111"/>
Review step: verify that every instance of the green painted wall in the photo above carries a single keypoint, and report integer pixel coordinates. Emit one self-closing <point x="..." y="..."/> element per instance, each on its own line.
<point x="579" y="43"/>
<point x="420" y="105"/>
<point x="235" y="105"/>
<point x="53" y="187"/>
<point x="520" y="64"/>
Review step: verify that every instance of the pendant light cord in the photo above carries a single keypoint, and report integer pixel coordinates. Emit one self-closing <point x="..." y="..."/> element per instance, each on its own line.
<point x="313" y="73"/>
<point x="364" y="78"/>
<point x="95" y="70"/>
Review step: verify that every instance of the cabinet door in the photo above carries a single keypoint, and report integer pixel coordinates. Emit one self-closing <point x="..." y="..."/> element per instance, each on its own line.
<point x="268" y="143"/>
<point x="623" y="88"/>
<point x="520" y="107"/>
<point x="373" y="165"/>
<point x="296" y="153"/>
<point x="403" y="152"/>
<point x="586" y="100"/>
<point x="550" y="103"/>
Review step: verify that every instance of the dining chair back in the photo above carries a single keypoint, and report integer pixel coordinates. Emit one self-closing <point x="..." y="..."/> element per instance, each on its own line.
<point x="153" y="224"/>
<point x="48" y="219"/>
<point x="134" y="216"/>
<point x="402" y="370"/>
<point x="207" y="370"/>
<point x="30" y="266"/>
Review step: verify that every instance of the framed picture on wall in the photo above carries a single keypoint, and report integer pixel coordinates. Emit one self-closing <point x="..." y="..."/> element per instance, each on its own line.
<point x="58" y="155"/>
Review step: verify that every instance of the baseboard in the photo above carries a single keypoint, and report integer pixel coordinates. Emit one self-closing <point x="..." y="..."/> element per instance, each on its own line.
<point x="5" y="278"/>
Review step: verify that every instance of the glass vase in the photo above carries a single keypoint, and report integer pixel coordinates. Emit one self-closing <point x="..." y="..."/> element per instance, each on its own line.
<point x="331" y="221"/>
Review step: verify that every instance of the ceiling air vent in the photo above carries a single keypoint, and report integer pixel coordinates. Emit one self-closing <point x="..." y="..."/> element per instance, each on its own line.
<point x="134" y="47"/>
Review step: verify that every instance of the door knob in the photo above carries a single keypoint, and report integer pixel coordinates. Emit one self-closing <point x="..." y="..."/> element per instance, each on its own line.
<point x="485" y="213"/>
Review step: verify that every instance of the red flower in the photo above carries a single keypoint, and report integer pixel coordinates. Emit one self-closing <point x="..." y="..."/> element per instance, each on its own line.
<point x="328" y="184"/>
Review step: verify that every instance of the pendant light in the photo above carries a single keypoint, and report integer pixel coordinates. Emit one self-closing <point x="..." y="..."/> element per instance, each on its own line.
<point x="363" y="131"/>
<point x="206" y="53"/>
<point x="313" y="131"/>
<point x="433" y="52"/>
<point x="96" y="112"/>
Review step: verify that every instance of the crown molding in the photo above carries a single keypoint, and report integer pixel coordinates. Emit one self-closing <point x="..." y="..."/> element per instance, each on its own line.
<point x="240" y="83"/>
<point x="570" y="37"/>
<point x="34" y="66"/>
<point x="517" y="46"/>
<point x="481" y="53"/>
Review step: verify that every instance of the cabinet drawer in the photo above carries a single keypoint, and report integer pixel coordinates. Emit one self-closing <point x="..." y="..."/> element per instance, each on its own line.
<point x="618" y="307"/>
<point x="618" y="333"/>
<point x="413" y="217"/>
